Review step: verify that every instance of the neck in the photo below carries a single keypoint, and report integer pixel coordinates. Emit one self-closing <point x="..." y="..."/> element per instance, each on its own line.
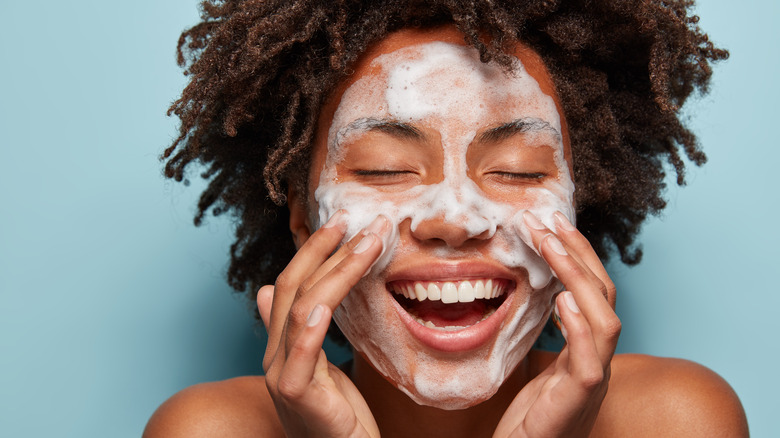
<point x="397" y="415"/>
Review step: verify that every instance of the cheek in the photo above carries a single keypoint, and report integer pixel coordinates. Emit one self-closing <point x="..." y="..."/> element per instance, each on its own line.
<point x="362" y="205"/>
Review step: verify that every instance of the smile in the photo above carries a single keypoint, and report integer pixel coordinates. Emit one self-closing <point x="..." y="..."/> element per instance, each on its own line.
<point x="452" y="315"/>
<point x="450" y="291"/>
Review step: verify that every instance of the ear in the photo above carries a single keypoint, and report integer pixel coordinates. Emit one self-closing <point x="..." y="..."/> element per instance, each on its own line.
<point x="299" y="223"/>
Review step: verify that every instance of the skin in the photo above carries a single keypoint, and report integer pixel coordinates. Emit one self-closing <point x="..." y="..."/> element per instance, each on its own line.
<point x="581" y="391"/>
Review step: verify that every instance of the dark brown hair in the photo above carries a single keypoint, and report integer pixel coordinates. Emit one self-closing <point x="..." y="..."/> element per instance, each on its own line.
<point x="260" y="71"/>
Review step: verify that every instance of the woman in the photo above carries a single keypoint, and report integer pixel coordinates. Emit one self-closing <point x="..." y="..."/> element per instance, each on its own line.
<point x="428" y="156"/>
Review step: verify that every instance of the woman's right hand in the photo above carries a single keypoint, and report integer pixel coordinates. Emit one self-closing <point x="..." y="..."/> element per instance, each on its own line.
<point x="312" y="396"/>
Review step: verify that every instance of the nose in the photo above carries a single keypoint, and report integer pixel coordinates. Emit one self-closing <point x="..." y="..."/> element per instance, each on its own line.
<point x="454" y="233"/>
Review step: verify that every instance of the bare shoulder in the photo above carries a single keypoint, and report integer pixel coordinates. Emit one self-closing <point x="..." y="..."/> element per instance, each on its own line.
<point x="236" y="407"/>
<point x="660" y="397"/>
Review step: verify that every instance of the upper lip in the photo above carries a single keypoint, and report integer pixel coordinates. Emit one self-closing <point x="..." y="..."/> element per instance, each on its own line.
<point x="443" y="270"/>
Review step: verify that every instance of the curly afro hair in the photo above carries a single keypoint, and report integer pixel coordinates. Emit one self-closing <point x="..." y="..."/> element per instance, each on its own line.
<point x="260" y="71"/>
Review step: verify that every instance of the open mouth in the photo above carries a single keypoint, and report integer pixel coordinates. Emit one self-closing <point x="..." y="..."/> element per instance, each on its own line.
<point x="450" y="305"/>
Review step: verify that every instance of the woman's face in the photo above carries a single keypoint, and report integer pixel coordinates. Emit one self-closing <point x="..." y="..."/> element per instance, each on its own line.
<point x="452" y="151"/>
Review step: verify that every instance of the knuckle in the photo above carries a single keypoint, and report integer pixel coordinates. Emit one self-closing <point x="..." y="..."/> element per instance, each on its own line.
<point x="574" y="270"/>
<point x="270" y="382"/>
<point x="611" y="289"/>
<point x="341" y="269"/>
<point x="581" y="331"/>
<point x="298" y="349"/>
<point x="611" y="327"/>
<point x="268" y="360"/>
<point x="592" y="378"/>
<point x="283" y="281"/>
<point x="603" y="290"/>
<point x="611" y="294"/>
<point x="290" y="389"/>
<point x="303" y="289"/>
<point x="297" y="316"/>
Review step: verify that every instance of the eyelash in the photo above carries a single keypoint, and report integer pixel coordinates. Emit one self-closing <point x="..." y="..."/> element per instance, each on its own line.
<point x="534" y="176"/>
<point x="380" y="172"/>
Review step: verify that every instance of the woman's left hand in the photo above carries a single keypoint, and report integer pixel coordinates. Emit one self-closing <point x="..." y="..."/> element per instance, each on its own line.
<point x="564" y="400"/>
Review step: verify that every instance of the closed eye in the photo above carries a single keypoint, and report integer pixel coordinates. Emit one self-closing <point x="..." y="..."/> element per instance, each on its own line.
<point x="530" y="176"/>
<point x="376" y="172"/>
<point x="386" y="177"/>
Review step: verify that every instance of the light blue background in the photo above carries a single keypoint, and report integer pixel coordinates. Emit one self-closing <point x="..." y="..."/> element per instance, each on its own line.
<point x="111" y="301"/>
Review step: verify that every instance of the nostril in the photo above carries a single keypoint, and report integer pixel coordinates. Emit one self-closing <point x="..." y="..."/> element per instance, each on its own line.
<point x="452" y="233"/>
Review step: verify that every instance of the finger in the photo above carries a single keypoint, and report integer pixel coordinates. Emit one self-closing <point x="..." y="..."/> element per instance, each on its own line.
<point x="265" y="298"/>
<point x="588" y="291"/>
<point x="264" y="302"/>
<point x="585" y="366"/>
<point x="298" y="372"/>
<point x="331" y="289"/>
<point x="580" y="246"/>
<point x="581" y="372"/>
<point x="309" y="257"/>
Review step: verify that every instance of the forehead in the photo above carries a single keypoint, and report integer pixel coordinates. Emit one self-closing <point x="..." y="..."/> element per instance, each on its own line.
<point x="443" y="85"/>
<point x="414" y="73"/>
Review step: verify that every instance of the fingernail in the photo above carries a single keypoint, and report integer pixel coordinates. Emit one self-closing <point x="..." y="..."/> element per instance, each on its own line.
<point x="315" y="316"/>
<point x="335" y="219"/>
<point x="532" y="221"/>
<point x="555" y="244"/>
<point x="568" y="297"/>
<point x="365" y="243"/>
<point x="563" y="222"/>
<point x="379" y="225"/>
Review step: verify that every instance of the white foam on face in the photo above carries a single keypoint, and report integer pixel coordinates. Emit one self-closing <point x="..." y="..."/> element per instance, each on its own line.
<point x="444" y="87"/>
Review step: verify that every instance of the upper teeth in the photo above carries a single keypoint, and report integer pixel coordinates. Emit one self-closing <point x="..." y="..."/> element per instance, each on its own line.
<point x="450" y="291"/>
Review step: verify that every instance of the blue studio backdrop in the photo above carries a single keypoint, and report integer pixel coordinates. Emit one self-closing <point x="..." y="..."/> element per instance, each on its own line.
<point x="111" y="300"/>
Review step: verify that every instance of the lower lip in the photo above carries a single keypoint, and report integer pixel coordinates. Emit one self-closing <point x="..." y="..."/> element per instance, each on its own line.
<point x="466" y="339"/>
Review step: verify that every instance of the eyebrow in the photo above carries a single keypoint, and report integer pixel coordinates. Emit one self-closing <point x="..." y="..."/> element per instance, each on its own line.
<point x="388" y="126"/>
<point x="519" y="126"/>
<point x="398" y="129"/>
